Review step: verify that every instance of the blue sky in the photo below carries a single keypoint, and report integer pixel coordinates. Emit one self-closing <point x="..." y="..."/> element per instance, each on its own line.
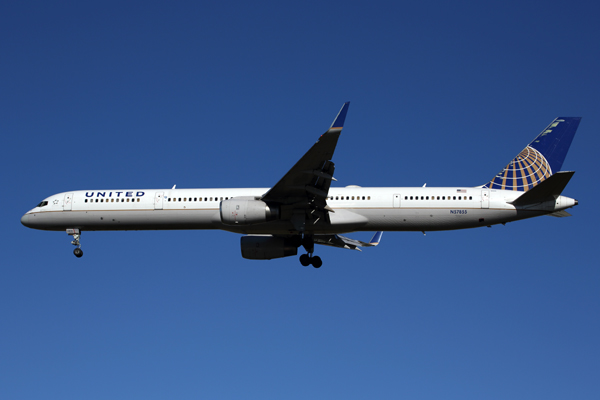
<point x="230" y="94"/>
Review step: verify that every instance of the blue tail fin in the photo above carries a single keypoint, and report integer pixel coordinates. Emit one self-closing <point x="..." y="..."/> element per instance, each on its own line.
<point x="540" y="159"/>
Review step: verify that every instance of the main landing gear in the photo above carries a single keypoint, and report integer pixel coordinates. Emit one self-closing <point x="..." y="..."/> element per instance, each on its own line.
<point x="307" y="259"/>
<point x="76" y="235"/>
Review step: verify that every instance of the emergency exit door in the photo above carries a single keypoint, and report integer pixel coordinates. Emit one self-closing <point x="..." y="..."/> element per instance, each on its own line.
<point x="158" y="200"/>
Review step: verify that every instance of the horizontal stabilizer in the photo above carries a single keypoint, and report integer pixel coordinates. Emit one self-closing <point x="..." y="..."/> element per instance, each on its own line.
<point x="548" y="189"/>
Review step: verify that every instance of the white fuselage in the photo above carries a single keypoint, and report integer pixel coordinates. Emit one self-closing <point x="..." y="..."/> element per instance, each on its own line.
<point x="355" y="209"/>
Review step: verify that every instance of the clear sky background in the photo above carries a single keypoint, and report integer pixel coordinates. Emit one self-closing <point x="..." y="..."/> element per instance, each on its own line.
<point x="113" y="95"/>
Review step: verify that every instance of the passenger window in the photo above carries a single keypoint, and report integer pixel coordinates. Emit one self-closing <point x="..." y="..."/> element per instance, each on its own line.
<point x="352" y="197"/>
<point x="369" y="198"/>
<point x="40" y="205"/>
<point x="470" y="197"/>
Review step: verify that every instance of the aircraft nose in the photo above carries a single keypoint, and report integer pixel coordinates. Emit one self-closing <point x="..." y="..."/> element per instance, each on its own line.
<point x="25" y="220"/>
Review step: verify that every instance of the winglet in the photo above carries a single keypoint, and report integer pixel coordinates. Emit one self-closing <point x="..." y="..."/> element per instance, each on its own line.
<point x="338" y="123"/>
<point x="376" y="238"/>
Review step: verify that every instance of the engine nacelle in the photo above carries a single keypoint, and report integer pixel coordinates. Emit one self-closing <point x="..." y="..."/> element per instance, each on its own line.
<point x="240" y="211"/>
<point x="267" y="247"/>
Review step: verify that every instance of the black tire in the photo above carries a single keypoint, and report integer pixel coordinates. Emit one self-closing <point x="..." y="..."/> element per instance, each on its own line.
<point x="305" y="260"/>
<point x="316" y="262"/>
<point x="78" y="252"/>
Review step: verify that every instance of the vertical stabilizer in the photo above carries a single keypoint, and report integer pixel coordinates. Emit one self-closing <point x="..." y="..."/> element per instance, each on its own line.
<point x="540" y="159"/>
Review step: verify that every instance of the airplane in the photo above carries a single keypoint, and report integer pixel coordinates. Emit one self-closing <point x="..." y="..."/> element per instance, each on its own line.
<point x="302" y="209"/>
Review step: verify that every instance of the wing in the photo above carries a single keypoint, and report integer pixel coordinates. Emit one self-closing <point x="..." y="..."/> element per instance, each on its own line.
<point x="302" y="192"/>
<point x="346" y="243"/>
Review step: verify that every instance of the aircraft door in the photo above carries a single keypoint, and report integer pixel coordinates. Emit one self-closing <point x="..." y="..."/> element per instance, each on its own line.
<point x="485" y="198"/>
<point x="396" y="201"/>
<point x="68" y="202"/>
<point x="158" y="200"/>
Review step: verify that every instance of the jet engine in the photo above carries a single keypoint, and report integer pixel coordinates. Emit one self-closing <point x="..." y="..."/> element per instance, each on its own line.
<point x="267" y="247"/>
<point x="240" y="211"/>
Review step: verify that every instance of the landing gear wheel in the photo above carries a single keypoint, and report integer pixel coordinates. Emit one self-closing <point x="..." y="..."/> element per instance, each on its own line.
<point x="305" y="260"/>
<point x="76" y="236"/>
<point x="316" y="262"/>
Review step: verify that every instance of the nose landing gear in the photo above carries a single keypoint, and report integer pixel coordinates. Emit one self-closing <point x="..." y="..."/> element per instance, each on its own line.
<point x="75" y="242"/>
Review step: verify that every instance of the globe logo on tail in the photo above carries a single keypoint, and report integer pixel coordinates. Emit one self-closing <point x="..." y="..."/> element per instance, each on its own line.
<point x="524" y="172"/>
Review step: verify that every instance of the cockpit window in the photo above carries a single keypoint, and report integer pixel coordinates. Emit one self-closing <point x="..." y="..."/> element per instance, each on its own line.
<point x="42" y="204"/>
